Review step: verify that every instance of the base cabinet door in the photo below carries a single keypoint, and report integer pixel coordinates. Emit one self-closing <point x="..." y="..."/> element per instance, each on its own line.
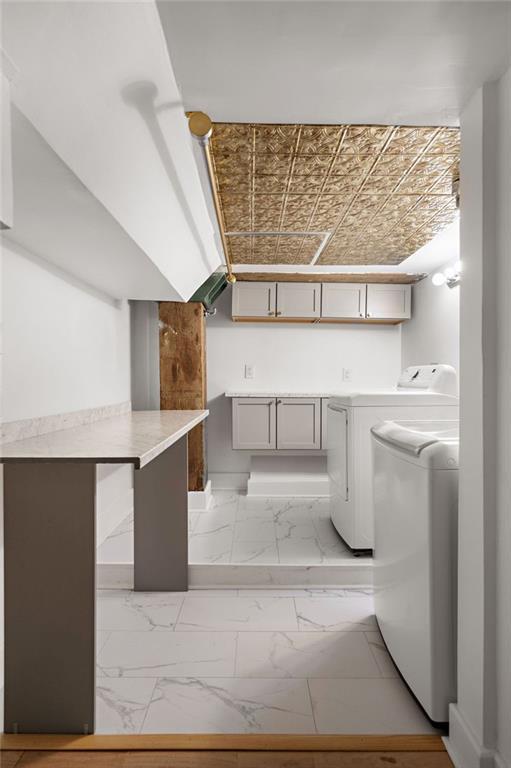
<point x="298" y="423"/>
<point x="343" y="301"/>
<point x="389" y="301"/>
<point x="254" y="299"/>
<point x="253" y="423"/>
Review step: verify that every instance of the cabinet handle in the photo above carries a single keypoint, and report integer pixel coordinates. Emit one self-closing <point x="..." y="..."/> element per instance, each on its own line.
<point x="279" y="402"/>
<point x="368" y="314"/>
<point x="361" y="314"/>
<point x="278" y="313"/>
<point x="270" y="313"/>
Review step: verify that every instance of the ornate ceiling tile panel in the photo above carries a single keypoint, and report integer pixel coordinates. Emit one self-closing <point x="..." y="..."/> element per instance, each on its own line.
<point x="380" y="191"/>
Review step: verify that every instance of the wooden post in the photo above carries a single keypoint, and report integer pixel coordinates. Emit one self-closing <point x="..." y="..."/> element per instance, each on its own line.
<point x="183" y="375"/>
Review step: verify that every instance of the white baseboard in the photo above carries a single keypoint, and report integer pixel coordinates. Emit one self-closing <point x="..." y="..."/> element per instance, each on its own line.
<point x="200" y="501"/>
<point x="303" y="484"/>
<point x="462" y="745"/>
<point x="228" y="481"/>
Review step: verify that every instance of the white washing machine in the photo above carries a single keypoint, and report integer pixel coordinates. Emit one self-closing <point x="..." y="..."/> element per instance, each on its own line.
<point x="415" y="555"/>
<point x="422" y="392"/>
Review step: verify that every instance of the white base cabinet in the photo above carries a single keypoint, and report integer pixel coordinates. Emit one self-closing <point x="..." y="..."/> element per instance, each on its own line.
<point x="282" y="423"/>
<point x="298" y="423"/>
<point x="254" y="423"/>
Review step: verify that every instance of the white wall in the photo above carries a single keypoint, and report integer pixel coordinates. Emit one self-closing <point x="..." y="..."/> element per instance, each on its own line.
<point x="65" y="348"/>
<point x="290" y="356"/>
<point x="480" y="719"/>
<point x="432" y="335"/>
<point x="503" y="495"/>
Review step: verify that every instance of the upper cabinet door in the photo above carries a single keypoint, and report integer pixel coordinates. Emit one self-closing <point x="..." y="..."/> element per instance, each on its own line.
<point x="298" y="423"/>
<point x="298" y="300"/>
<point x="343" y="300"/>
<point x="389" y="301"/>
<point x="253" y="299"/>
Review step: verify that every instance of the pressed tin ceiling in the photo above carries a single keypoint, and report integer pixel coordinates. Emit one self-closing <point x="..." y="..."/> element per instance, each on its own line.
<point x="333" y="194"/>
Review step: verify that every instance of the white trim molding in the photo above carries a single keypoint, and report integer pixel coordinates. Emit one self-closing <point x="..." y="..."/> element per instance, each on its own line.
<point x="463" y="746"/>
<point x="200" y="501"/>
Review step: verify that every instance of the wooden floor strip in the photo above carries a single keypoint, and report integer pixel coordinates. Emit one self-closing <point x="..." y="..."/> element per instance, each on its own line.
<point x="221" y="759"/>
<point x="224" y="742"/>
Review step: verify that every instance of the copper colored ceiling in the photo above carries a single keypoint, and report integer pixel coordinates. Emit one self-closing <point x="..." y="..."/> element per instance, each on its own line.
<point x="372" y="194"/>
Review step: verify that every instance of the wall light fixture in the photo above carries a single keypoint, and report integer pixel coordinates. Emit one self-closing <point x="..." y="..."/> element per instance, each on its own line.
<point x="451" y="276"/>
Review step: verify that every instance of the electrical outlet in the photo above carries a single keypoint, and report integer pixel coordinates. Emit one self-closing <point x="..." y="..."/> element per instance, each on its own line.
<point x="249" y="371"/>
<point x="346" y="374"/>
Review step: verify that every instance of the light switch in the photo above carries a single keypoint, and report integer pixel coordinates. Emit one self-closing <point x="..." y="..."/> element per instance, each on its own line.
<point x="249" y="371"/>
<point x="346" y="374"/>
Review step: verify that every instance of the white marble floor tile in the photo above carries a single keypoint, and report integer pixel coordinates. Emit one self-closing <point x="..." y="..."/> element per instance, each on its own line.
<point x="250" y="508"/>
<point x="101" y="638"/>
<point x="121" y="704"/>
<point x="126" y="610"/>
<point x="229" y="706"/>
<point x="213" y="547"/>
<point x="118" y="547"/>
<point x="255" y="530"/>
<point x="212" y="593"/>
<point x="237" y="614"/>
<point x="382" y="656"/>
<point x="296" y="551"/>
<point x="305" y="655"/>
<point x="255" y="552"/>
<point x="295" y="510"/>
<point x="287" y="530"/>
<point x="301" y="592"/>
<point x="215" y="521"/>
<point x="157" y="654"/>
<point x="335" y="614"/>
<point x="327" y="534"/>
<point x="193" y="518"/>
<point x="366" y="706"/>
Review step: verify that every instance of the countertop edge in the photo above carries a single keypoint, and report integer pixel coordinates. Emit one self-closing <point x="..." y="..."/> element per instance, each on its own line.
<point x="147" y="457"/>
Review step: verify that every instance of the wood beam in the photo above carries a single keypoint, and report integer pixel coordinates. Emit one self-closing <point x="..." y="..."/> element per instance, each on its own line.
<point x="183" y="375"/>
<point x="317" y="277"/>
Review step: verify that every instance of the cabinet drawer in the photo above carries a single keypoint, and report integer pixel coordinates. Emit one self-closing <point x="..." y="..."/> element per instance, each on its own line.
<point x="253" y="423"/>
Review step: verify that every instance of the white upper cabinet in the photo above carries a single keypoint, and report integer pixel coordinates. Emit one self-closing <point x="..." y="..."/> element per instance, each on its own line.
<point x="343" y="300"/>
<point x="298" y="300"/>
<point x="96" y="82"/>
<point x="388" y="301"/>
<point x="254" y="299"/>
<point x="328" y="302"/>
<point x="298" y="423"/>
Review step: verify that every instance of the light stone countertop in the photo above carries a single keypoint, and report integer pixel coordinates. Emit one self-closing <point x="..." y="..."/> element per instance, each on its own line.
<point x="134" y="438"/>
<point x="276" y="393"/>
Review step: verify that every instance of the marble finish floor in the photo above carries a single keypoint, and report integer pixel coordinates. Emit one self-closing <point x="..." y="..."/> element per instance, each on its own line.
<point x="238" y="529"/>
<point x="247" y="661"/>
